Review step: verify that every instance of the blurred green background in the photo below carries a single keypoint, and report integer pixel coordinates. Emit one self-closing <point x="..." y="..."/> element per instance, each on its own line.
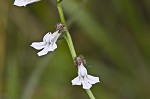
<point x="113" y="35"/>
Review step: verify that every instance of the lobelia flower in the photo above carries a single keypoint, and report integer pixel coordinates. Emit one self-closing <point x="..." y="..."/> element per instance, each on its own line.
<point x="48" y="44"/>
<point x="84" y="79"/>
<point x="24" y="2"/>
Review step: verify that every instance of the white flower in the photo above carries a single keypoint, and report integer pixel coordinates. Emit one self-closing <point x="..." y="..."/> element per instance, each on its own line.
<point x="84" y="79"/>
<point x="48" y="44"/>
<point x="24" y="2"/>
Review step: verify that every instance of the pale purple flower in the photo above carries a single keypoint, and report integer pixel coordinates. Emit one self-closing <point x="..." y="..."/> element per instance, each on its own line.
<point x="24" y="2"/>
<point x="48" y="44"/>
<point x="84" y="79"/>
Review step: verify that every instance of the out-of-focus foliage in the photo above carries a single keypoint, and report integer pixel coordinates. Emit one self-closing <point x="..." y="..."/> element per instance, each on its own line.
<point x="113" y="35"/>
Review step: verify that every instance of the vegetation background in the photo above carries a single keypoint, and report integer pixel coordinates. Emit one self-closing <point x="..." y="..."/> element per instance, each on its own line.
<point x="113" y="35"/>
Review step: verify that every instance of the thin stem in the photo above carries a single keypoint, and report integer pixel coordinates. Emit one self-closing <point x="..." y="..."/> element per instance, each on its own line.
<point x="70" y="44"/>
<point x="67" y="35"/>
<point x="69" y="40"/>
<point x="90" y="93"/>
<point x="60" y="11"/>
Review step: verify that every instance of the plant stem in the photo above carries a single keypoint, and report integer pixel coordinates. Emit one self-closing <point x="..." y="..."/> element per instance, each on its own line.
<point x="67" y="35"/>
<point x="69" y="40"/>
<point x="89" y="92"/>
<point x="70" y="44"/>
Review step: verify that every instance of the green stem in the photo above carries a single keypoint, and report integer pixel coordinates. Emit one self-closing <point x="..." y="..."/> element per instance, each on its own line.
<point x="70" y="44"/>
<point x="89" y="92"/>
<point x="67" y="35"/>
<point x="69" y="40"/>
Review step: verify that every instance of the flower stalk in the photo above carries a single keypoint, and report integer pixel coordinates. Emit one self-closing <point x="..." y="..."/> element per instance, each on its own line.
<point x="89" y="92"/>
<point x="69" y="40"/>
<point x="67" y="34"/>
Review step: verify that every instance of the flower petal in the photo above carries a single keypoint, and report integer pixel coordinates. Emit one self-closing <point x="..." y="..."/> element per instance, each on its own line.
<point x="52" y="47"/>
<point x="20" y="3"/>
<point x="38" y="45"/>
<point x="55" y="33"/>
<point x="92" y="79"/>
<point x="82" y="70"/>
<point x="24" y="2"/>
<point x="44" y="51"/>
<point x="55" y="36"/>
<point x="46" y="36"/>
<point x="76" y="81"/>
<point x="86" y="84"/>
